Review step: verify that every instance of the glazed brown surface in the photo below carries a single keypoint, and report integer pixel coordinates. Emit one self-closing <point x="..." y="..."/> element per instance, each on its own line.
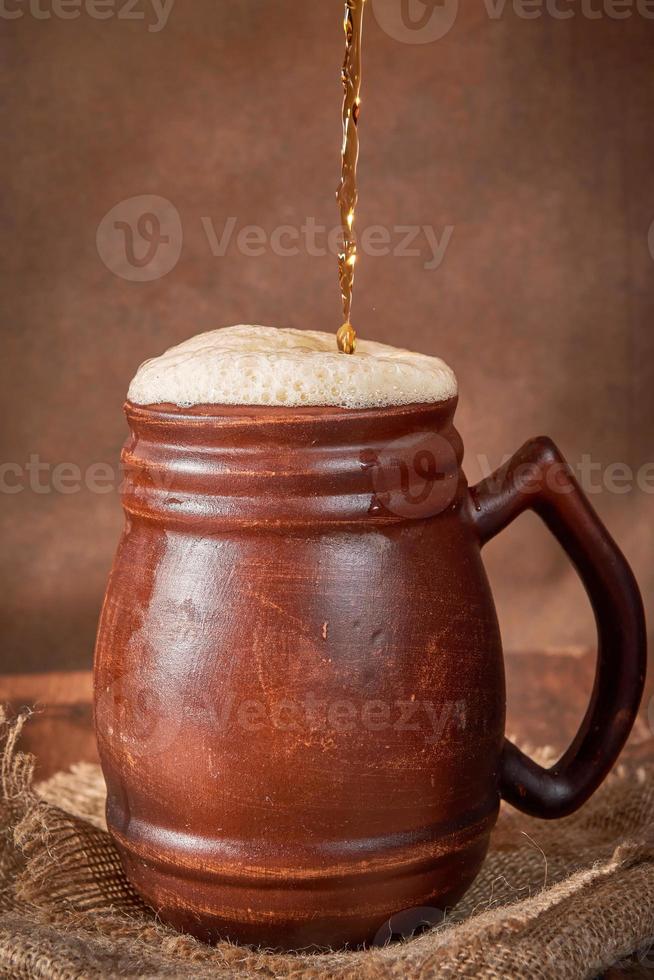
<point x="299" y="683"/>
<point x="266" y="575"/>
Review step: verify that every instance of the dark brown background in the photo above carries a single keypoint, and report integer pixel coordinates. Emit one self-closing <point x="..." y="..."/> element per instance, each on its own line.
<point x="533" y="138"/>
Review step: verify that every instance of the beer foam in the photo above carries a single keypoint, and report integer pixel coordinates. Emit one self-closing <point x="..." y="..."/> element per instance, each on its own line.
<point x="254" y="365"/>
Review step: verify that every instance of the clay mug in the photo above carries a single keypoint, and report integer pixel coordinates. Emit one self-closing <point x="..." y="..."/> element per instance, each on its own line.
<point x="299" y="684"/>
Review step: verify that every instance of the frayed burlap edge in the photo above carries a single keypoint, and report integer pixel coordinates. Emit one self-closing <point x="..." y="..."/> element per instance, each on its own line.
<point x="562" y="900"/>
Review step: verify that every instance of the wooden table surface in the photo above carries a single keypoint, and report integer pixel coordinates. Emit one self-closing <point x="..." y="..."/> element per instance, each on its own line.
<point x="547" y="694"/>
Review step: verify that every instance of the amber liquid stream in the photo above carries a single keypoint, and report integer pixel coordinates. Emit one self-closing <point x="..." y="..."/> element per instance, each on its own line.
<point x="347" y="189"/>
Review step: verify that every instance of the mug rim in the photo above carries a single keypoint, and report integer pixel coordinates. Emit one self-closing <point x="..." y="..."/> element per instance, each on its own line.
<point x="169" y="412"/>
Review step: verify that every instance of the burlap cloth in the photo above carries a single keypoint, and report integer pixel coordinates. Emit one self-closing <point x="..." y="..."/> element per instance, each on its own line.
<point x="563" y="899"/>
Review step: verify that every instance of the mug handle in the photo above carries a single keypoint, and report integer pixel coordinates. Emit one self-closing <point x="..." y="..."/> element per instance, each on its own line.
<point x="538" y="478"/>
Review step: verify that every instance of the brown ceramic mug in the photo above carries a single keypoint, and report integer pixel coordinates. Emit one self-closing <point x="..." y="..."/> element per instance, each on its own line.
<point x="299" y="681"/>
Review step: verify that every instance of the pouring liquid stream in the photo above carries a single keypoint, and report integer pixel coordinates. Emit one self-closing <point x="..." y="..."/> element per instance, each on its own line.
<point x="347" y="194"/>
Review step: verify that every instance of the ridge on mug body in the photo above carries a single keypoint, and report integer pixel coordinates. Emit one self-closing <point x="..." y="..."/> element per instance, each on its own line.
<point x="299" y="685"/>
